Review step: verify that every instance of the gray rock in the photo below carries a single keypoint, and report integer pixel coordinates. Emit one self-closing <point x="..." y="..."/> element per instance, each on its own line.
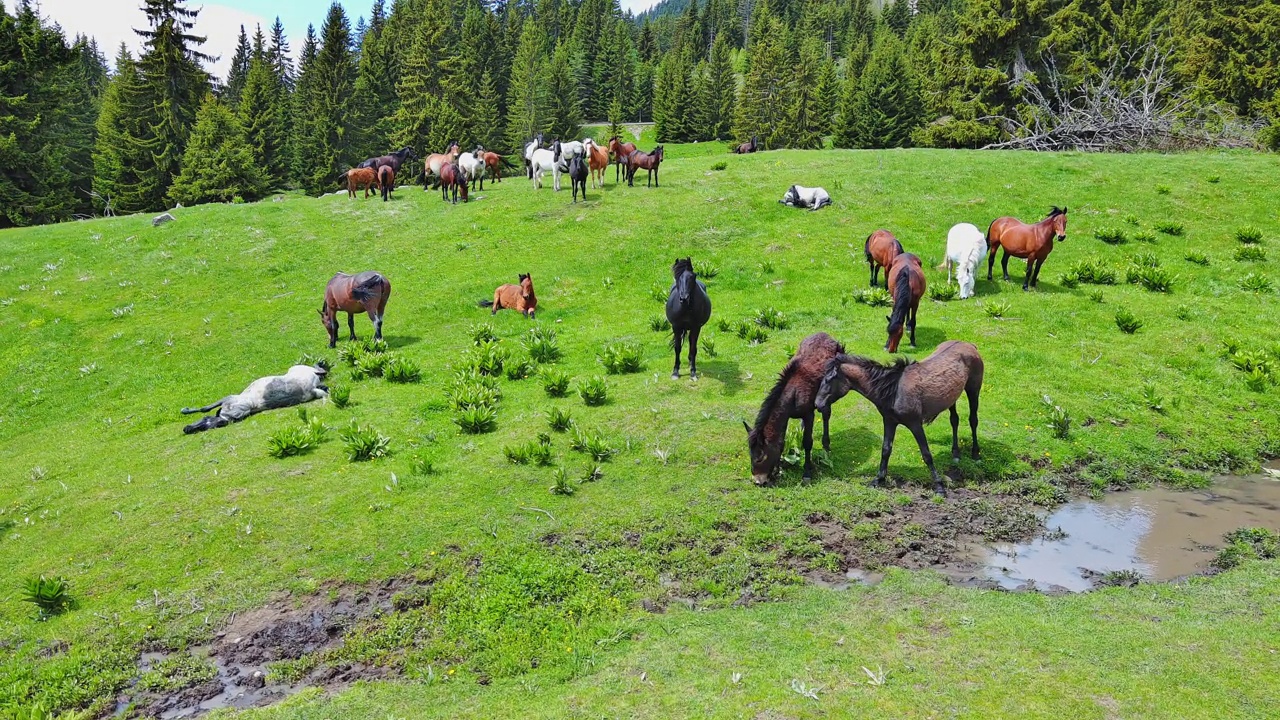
<point x="162" y="219"/>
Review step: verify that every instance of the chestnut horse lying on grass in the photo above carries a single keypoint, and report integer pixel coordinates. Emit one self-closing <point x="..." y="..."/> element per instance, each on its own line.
<point x="515" y="297"/>
<point x="912" y="394"/>
<point x="366" y="292"/>
<point x="300" y="385"/>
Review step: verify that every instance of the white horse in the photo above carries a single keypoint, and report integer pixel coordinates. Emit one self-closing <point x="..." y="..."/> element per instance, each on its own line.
<point x="529" y="149"/>
<point x="543" y="161"/>
<point x="570" y="150"/>
<point x="966" y="248"/>
<point x="805" y="197"/>
<point x="472" y="167"/>
<point x="300" y="385"/>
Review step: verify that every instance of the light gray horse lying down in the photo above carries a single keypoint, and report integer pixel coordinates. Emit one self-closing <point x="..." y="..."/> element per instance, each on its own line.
<point x="300" y="385"/>
<point x="805" y="197"/>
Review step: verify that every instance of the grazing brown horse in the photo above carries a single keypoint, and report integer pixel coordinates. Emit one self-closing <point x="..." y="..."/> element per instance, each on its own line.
<point x="1033" y="242"/>
<point x="880" y="249"/>
<point x="597" y="161"/>
<point x="433" y="163"/>
<point x="620" y="151"/>
<point x="906" y="287"/>
<point x="365" y="292"/>
<point x="912" y="394"/>
<point x="358" y="178"/>
<point x="648" y="161"/>
<point x="452" y="179"/>
<point x="495" y="162"/>
<point x="514" y="297"/>
<point x="387" y="179"/>
<point x="792" y="397"/>
<point x="747" y="147"/>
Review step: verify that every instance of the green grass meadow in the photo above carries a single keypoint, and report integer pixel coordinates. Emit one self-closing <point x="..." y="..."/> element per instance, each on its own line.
<point x="534" y="601"/>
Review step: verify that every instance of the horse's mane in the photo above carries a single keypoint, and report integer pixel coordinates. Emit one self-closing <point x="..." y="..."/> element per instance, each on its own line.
<point x="1056" y="211"/>
<point x="882" y="380"/>
<point x="901" y="298"/>
<point x="772" y="399"/>
<point x="682" y="266"/>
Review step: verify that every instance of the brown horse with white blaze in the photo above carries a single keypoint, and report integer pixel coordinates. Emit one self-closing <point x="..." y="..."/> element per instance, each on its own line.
<point x="912" y="394"/>
<point x="906" y="286"/>
<point x="620" y="151"/>
<point x="1032" y="242"/>
<point x="520" y="298"/>
<point x="364" y="292"/>
<point x="792" y="397"/>
<point x="597" y="161"/>
<point x="880" y="250"/>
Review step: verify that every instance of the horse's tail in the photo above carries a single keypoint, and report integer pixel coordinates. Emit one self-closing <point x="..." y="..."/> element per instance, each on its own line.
<point x="343" y="177"/>
<point x="987" y="237"/>
<point x="506" y="163"/>
<point x="367" y="289"/>
<point x="206" y="408"/>
<point x="901" y="297"/>
<point x="866" y="248"/>
<point x="485" y="303"/>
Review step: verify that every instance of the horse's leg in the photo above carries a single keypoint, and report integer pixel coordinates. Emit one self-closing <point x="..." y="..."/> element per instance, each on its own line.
<point x="677" y="342"/>
<point x="376" y="319"/>
<point x="693" y="353"/>
<point x="497" y="302"/>
<point x="917" y="429"/>
<point x="826" y="428"/>
<point x="1004" y="265"/>
<point x="886" y="449"/>
<point x="808" y="447"/>
<point x="991" y="262"/>
<point x="1035" y="278"/>
<point x="915" y="310"/>
<point x="875" y="270"/>
<point x="351" y="325"/>
<point x="655" y="177"/>
<point x="955" y="434"/>
<point x="972" y="393"/>
<point x="1026" y="279"/>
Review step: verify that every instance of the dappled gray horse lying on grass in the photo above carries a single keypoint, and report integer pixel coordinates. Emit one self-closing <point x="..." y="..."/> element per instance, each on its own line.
<point x="800" y="196"/>
<point x="300" y="385"/>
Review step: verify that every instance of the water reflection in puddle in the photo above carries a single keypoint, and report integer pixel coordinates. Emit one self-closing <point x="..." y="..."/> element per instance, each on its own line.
<point x="1160" y="534"/>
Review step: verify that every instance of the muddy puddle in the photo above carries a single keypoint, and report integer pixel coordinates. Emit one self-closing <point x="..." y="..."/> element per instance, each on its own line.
<point x="1153" y="535"/>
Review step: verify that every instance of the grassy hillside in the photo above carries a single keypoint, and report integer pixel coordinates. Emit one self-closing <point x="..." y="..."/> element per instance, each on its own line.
<point x="107" y="328"/>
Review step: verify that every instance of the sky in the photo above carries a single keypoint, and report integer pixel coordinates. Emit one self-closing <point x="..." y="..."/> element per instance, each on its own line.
<point x="113" y="21"/>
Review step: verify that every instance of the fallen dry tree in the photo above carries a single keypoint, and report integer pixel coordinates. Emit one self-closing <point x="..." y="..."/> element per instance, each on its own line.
<point x="1115" y="113"/>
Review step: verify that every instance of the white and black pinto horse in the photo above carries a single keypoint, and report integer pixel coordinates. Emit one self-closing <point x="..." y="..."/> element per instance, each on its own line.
<point x="806" y="197"/>
<point x="546" y="161"/>
<point x="302" y="384"/>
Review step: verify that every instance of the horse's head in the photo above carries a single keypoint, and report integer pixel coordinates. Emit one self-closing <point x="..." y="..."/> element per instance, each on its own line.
<point x="896" y="322"/>
<point x="1059" y="218"/>
<point x="526" y="292"/>
<point x="790" y="196"/>
<point x="479" y="149"/>
<point x="834" y="386"/>
<point x="330" y="321"/>
<point x="764" y="455"/>
<point x="406" y="153"/>
<point x="555" y="150"/>
<point x="686" y="279"/>
<point x="657" y="153"/>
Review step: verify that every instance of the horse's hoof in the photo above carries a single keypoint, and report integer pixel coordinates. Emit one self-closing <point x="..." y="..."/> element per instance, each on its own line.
<point x="693" y="376"/>
<point x="675" y="376"/>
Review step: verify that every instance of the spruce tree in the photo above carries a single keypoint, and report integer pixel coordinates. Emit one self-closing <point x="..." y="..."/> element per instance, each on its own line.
<point x="303" y="130"/>
<point x="218" y="165"/>
<point x="421" y="87"/>
<point x="279" y="54"/>
<point x="262" y="117"/>
<point x="672" y="97"/>
<point x="827" y="96"/>
<point x="486" y="120"/>
<point x="885" y="108"/>
<point x="764" y="102"/>
<point x="566" y="115"/>
<point x="718" y="91"/>
<point x="116" y="161"/>
<point x="528" y="100"/>
<point x="333" y="122"/>
<point x="376" y="80"/>
<point x="804" y="127"/>
<point x="239" y="70"/>
<point x="897" y="16"/>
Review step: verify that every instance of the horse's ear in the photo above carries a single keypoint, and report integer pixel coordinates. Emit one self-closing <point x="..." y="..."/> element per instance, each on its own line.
<point x="748" y="427"/>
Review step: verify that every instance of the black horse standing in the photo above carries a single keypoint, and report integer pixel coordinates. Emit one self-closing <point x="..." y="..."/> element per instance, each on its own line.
<point x="578" y="176"/>
<point x="688" y="309"/>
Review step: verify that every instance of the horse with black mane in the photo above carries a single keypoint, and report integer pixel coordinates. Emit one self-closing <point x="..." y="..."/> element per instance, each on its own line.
<point x="649" y="161"/>
<point x="792" y="397"/>
<point x="688" y="309"/>
<point x="387" y="179"/>
<point x="880" y="249"/>
<point x="1021" y="240"/>
<point x="365" y="292"/>
<point x="453" y="179"/>
<point x="620" y="151"/>
<point x="395" y="159"/>
<point x="578" y="176"/>
<point x="912" y="394"/>
<point x="906" y="286"/>
<point x="746" y="147"/>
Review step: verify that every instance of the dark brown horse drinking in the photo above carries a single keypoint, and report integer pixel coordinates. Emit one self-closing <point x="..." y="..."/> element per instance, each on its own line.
<point x="912" y="394"/>
<point x="1033" y="242"/>
<point x="747" y="147"/>
<point x="792" y="397"/>
<point x="648" y="161"/>
<point x="365" y="292"/>
<point x="688" y="309"/>
<point x="880" y="250"/>
<point x="520" y="298"/>
<point x="620" y="152"/>
<point x="906" y="287"/>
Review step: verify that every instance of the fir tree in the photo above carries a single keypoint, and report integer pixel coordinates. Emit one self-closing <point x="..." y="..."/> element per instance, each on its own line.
<point x="218" y="165"/>
<point x="885" y="107"/>
<point x="333" y="122"/>
<point x="279" y="53"/>
<point x="672" y="97"/>
<point x="115" y="160"/>
<point x="826" y="96"/>
<point x="239" y="71"/>
<point x="262" y="116"/>
<point x="565" y="115"/>
<point x="486" y="120"/>
<point x="897" y="15"/>
<point x="303" y="137"/>
<point x="718" y="91"/>
<point x="376" y="80"/>
<point x="804" y="127"/>
<point x="764" y="102"/>
<point x="422" y="77"/>
<point x="528" y="101"/>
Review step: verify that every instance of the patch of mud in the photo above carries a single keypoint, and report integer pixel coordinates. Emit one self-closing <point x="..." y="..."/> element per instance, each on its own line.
<point x="287" y="629"/>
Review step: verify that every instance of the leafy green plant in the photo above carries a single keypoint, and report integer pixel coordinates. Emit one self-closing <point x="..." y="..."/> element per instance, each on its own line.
<point x="708" y="343"/>
<point x="1248" y="544"/>
<point x="1127" y="323"/>
<point x="289" y="441"/>
<point x="1155" y="279"/>
<point x="1196" y="257"/>
<point x="400" y="369"/>
<point x="340" y="396"/>
<point x="421" y="466"/>
<point x="1144" y="236"/>
<point x="1247" y="361"/>
<point x="1093" y="271"/>
<point x="1068" y="280"/>
<point x="1152" y="398"/>
<point x="177" y="672"/>
<point x="766" y="267"/>
<point x="517" y="454"/>
<point x="1256" y="283"/>
<point x="487" y="358"/>
<point x="482" y="333"/>
<point x="1096" y="296"/>
<point x="1146" y="260"/>
<point x="1111" y="235"/>
<point x="753" y="334"/>
<point x="477" y="420"/>
<point x="369" y="364"/>
<point x="659" y="292"/>
<point x="875" y="297"/>
<point x="555" y="382"/>
<point x="622" y="358"/>
<point x="594" y="391"/>
<point x="706" y="270"/>
<point x="724" y="326"/>
<point x="364" y="443"/>
<point x="1168" y="227"/>
<point x="542" y="345"/>
<point x="1249" y="235"/>
<point x="591" y="443"/>
<point x="1258" y="381"/>
<point x="943" y="293"/>
<point x="560" y="483"/>
<point x="996" y="308"/>
<point x="50" y="595"/>
<point x="464" y="395"/>
<point x="1250" y="253"/>
<point x="1132" y="219"/>
<point x="1183" y="312"/>
<point x="1215" y="179"/>
<point x="560" y="420"/>
<point x="521" y="369"/>
<point x="350" y="352"/>
<point x="722" y="165"/>
<point x="1059" y="420"/>
<point x="659" y="323"/>
<point x="1163" y="189"/>
<point x="772" y="318"/>
<point x="373" y="346"/>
